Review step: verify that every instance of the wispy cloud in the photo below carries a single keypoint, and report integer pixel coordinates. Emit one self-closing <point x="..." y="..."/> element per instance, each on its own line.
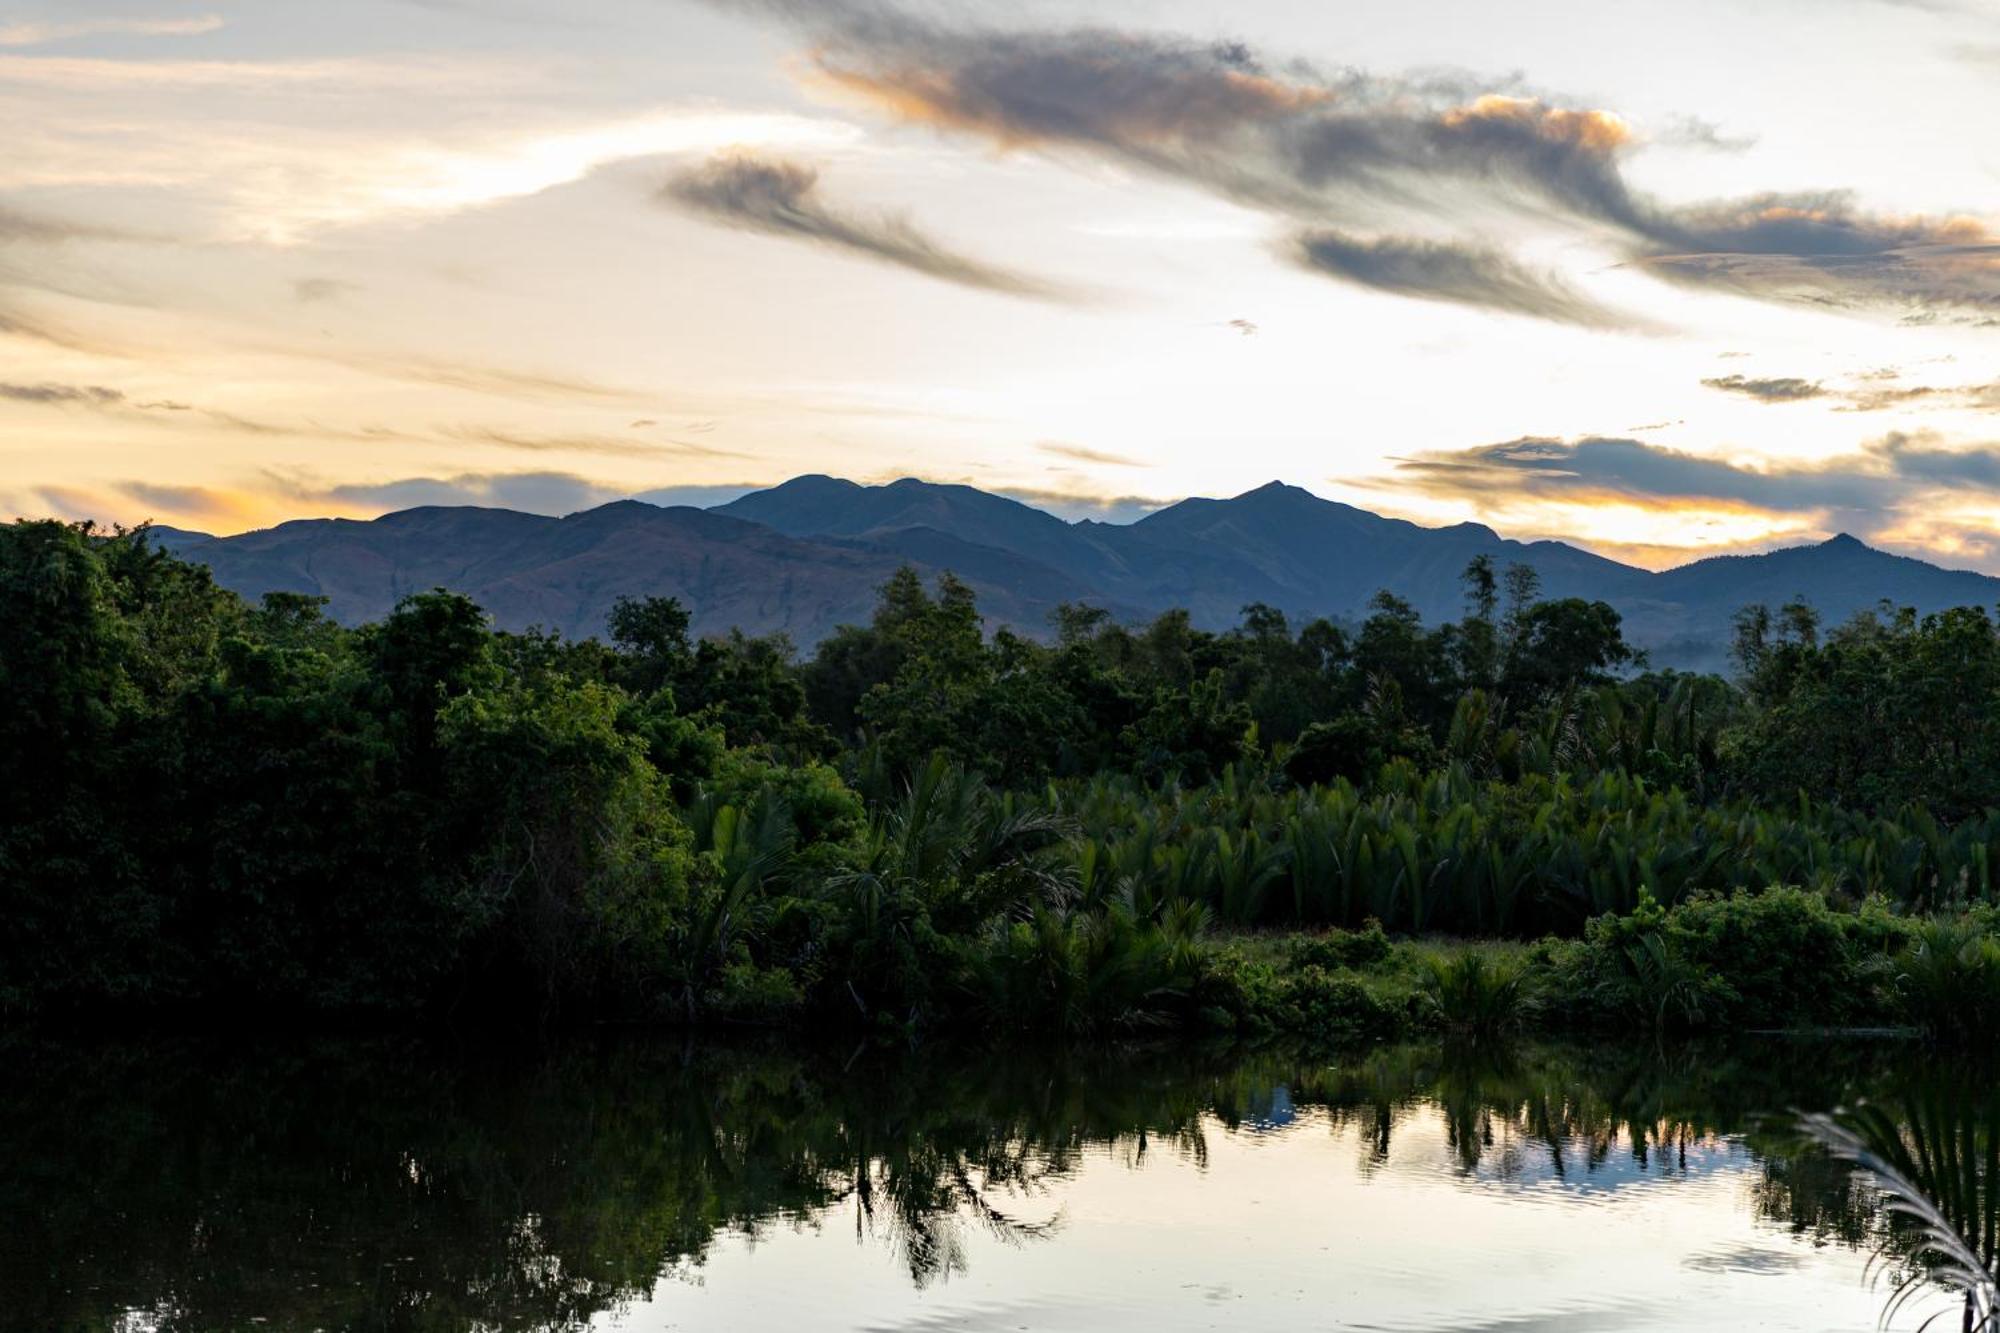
<point x="99" y="398"/>
<point x="782" y="198"/>
<point x="1075" y="505"/>
<point x="700" y="497"/>
<point x="1876" y="391"/>
<point x="61" y="395"/>
<point x="505" y="381"/>
<point x="1080" y="454"/>
<point x="30" y="33"/>
<point x="1963" y="397"/>
<point x="1786" y="389"/>
<point x="1573" y="485"/>
<point x="281" y="493"/>
<point x="42" y="228"/>
<point x="1466" y="274"/>
<point x="532" y="492"/>
<point x="1596" y="466"/>
<point x="584" y="443"/>
<point x="280" y="151"/>
<point x="199" y="504"/>
<point x="1374" y="167"/>
<point x="313" y="291"/>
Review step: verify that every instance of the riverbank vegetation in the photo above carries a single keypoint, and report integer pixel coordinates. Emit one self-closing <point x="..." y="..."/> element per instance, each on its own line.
<point x="1363" y="830"/>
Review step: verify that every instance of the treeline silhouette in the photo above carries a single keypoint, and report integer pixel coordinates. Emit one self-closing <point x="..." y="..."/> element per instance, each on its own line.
<point x="207" y="803"/>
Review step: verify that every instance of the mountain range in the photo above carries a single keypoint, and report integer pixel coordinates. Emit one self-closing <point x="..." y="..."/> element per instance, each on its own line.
<point x="807" y="556"/>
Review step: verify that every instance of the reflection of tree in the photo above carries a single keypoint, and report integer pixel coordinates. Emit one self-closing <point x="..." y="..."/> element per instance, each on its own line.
<point x="1503" y="1107"/>
<point x="385" y="1184"/>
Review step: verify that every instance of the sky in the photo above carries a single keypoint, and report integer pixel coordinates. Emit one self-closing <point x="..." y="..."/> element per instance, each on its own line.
<point x="1662" y="279"/>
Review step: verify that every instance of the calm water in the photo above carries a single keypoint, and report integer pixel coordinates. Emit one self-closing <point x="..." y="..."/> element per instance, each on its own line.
<point x="649" y="1185"/>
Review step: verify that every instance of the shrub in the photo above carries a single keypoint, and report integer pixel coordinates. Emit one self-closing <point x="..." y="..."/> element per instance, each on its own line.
<point x="746" y="993"/>
<point x="1784" y="953"/>
<point x="1948" y="980"/>
<point x="1339" y="1006"/>
<point x="1476" y="993"/>
<point x="1784" y="957"/>
<point x="1336" y="949"/>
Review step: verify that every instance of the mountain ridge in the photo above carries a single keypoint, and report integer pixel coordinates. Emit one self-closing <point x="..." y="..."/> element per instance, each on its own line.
<point x="807" y="555"/>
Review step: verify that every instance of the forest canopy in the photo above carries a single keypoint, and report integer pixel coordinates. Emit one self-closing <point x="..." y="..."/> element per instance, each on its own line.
<point x="205" y="802"/>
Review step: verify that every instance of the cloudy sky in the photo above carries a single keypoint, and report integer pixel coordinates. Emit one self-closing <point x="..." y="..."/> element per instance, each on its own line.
<point x="1664" y="279"/>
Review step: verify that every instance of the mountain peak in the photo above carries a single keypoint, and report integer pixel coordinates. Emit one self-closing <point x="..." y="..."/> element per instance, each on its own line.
<point x="806" y="556"/>
<point x="1277" y="489"/>
<point x="812" y="482"/>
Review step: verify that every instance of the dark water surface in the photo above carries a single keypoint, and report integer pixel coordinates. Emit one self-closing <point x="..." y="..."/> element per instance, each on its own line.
<point x="648" y="1184"/>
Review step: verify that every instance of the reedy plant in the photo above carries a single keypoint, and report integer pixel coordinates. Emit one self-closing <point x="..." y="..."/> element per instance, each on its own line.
<point x="1948" y="978"/>
<point x="1936" y="1163"/>
<point x="1474" y="994"/>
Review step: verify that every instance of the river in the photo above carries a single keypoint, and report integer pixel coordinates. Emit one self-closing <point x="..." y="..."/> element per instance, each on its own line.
<point x="649" y="1183"/>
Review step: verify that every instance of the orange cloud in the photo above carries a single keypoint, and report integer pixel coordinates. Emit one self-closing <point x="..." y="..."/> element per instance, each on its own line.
<point x="1599" y="131"/>
<point x="1167" y="105"/>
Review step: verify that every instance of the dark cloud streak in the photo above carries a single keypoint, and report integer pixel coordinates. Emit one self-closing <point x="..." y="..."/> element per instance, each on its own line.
<point x="1371" y="157"/>
<point x="1870" y="489"/>
<point x="1080" y="454"/>
<point x="782" y="198"/>
<point x="1786" y="389"/>
<point x="62" y="395"/>
<point x="1876" y="391"/>
<point x="590" y="444"/>
<point x="532" y="492"/>
<point x="1444" y="271"/>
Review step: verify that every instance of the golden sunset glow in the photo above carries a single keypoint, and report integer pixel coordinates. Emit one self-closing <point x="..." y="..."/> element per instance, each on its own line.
<point x="266" y="261"/>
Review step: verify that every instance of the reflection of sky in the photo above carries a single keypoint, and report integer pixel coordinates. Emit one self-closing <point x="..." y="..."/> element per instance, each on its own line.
<point x="1509" y="1157"/>
<point x="1271" y="1112"/>
<point x="1290" y="1225"/>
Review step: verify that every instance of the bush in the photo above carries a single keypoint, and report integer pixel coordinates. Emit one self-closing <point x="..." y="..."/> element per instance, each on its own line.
<point x="1784" y="957"/>
<point x="1948" y="981"/>
<point x="1306" y="996"/>
<point x="1783" y="952"/>
<point x="746" y="993"/>
<point x="1339" y="1006"/>
<point x="1476" y="993"/>
<point x="1337" y="949"/>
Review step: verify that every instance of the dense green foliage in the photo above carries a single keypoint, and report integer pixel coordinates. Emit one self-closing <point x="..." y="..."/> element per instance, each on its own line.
<point x="204" y="802"/>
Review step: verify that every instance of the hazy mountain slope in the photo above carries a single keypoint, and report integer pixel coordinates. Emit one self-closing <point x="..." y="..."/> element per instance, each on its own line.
<point x="816" y="506"/>
<point x="566" y="573"/>
<point x="1837" y="577"/>
<point x="1026" y="588"/>
<point x="1332" y="557"/>
<point x="808" y="556"/>
<point x="1277" y="544"/>
<point x="176" y="539"/>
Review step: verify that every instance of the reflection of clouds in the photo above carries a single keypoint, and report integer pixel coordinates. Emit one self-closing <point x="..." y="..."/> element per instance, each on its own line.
<point x="988" y="1317"/>
<point x="1743" y="1260"/>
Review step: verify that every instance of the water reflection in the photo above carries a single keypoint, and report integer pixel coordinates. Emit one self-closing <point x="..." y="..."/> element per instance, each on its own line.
<point x="390" y="1184"/>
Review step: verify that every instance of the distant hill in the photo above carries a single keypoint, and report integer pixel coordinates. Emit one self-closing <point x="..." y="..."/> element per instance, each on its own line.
<point x="807" y="556"/>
